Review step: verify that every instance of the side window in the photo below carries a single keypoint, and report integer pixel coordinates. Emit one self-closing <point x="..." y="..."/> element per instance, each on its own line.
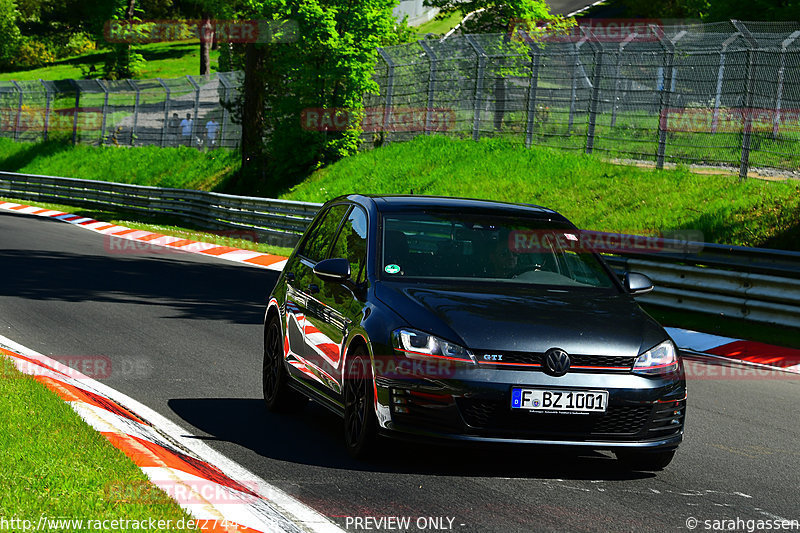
<point x="319" y="238"/>
<point x="352" y="244"/>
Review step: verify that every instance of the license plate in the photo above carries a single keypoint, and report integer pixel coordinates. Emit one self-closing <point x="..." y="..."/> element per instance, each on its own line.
<point x="570" y="401"/>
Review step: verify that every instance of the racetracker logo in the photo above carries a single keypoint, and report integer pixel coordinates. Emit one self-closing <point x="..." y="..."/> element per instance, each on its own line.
<point x="185" y="492"/>
<point x="378" y="119"/>
<point x="152" y="243"/>
<point x="226" y="31"/>
<point x="730" y="120"/>
<point x="597" y="30"/>
<point x="38" y="119"/>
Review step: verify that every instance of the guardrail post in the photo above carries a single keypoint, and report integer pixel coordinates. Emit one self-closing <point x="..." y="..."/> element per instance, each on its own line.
<point x="748" y="99"/>
<point x="45" y="133"/>
<point x="535" y="54"/>
<point x="720" y="76"/>
<point x="617" y="76"/>
<point x="389" y="93"/>
<point x="781" y="73"/>
<point x="165" y="129"/>
<point x="595" y="98"/>
<point x="75" y="111"/>
<point x="481" y="55"/>
<point x="135" y="111"/>
<point x="431" y="83"/>
<point x="103" y="86"/>
<point x="18" y="119"/>
<point x="196" y="109"/>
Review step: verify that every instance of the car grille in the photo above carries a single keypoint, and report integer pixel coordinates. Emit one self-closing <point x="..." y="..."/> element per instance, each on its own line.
<point x="668" y="417"/>
<point x="498" y="417"/>
<point x="577" y="362"/>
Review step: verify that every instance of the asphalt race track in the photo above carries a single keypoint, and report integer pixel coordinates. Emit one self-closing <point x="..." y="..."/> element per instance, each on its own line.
<point x="183" y="334"/>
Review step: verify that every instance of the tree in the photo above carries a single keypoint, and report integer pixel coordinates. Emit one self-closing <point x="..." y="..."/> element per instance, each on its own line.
<point x="492" y="16"/>
<point x="328" y="66"/>
<point x="9" y="32"/>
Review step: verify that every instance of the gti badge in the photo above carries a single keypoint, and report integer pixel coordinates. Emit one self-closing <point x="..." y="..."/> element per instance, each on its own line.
<point x="556" y="362"/>
<point x="493" y="357"/>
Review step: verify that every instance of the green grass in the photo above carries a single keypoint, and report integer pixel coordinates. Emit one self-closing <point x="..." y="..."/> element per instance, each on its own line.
<point x="55" y="465"/>
<point x="165" y="225"/>
<point x="179" y="167"/>
<point x="164" y="60"/>
<point x="592" y="193"/>
<point x="440" y="26"/>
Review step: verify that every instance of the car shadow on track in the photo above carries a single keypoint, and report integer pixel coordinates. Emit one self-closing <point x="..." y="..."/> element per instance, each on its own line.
<point x="314" y="437"/>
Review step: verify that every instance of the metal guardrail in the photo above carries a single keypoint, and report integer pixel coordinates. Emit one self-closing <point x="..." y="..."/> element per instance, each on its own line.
<point x="277" y="221"/>
<point x="754" y="284"/>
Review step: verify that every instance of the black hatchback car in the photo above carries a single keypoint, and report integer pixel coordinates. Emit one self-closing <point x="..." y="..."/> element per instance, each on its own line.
<point x="470" y="320"/>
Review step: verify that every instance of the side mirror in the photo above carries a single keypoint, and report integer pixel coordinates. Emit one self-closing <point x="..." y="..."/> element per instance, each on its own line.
<point x="637" y="283"/>
<point x="334" y="269"/>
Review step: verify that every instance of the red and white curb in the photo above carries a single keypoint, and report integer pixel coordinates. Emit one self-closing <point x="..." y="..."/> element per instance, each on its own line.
<point x="222" y="495"/>
<point x="748" y="352"/>
<point x="248" y="257"/>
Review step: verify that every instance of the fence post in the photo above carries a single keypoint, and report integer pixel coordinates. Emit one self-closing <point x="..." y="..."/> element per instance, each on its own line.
<point x="574" y="92"/>
<point x="75" y="111"/>
<point x="45" y="133"/>
<point x="196" y="108"/>
<point x="165" y="129"/>
<point x="535" y="54"/>
<point x="781" y="73"/>
<point x="617" y="77"/>
<point x="720" y="77"/>
<point x="476" y="125"/>
<point x="135" y="111"/>
<point x="668" y="50"/>
<point x="103" y="86"/>
<point x="431" y="84"/>
<point x="387" y="106"/>
<point x="18" y="120"/>
<point x="748" y="99"/>
<point x="225" y="88"/>
<point x="595" y="98"/>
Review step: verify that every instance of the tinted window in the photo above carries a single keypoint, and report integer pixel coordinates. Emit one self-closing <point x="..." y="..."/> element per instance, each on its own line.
<point x="352" y="243"/>
<point x="494" y="248"/>
<point x="319" y="238"/>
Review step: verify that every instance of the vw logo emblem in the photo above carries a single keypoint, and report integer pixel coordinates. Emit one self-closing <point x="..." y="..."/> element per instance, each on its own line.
<point x="556" y="362"/>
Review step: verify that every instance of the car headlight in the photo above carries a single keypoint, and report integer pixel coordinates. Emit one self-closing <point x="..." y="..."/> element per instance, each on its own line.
<point x="661" y="359"/>
<point x="417" y="344"/>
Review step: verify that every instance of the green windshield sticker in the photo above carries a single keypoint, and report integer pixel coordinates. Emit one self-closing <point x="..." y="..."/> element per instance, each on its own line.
<point x="392" y="269"/>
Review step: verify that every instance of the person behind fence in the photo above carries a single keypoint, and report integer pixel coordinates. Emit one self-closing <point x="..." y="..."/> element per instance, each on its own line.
<point x="211" y="133"/>
<point x="186" y="129"/>
<point x="173" y="128"/>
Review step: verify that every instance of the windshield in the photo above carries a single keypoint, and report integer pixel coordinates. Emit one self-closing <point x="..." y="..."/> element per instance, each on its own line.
<point x="439" y="245"/>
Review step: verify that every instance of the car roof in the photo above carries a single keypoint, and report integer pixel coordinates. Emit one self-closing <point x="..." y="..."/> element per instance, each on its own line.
<point x="396" y="203"/>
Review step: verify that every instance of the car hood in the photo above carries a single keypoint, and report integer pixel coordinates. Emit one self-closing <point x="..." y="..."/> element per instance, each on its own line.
<point x="527" y="319"/>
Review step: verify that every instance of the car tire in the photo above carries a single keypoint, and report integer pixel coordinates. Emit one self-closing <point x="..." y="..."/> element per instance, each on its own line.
<point x="646" y="461"/>
<point x="360" y="422"/>
<point x="278" y="396"/>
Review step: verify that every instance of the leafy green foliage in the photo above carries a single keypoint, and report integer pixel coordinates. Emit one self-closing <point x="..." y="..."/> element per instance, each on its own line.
<point x="9" y="32"/>
<point x="492" y="16"/>
<point x="716" y="10"/>
<point x="328" y="65"/>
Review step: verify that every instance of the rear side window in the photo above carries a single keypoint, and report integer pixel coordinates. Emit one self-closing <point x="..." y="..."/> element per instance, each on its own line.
<point x="352" y="244"/>
<point x="319" y="238"/>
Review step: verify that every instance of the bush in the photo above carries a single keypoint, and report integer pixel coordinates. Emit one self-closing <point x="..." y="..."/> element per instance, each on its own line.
<point x="32" y="53"/>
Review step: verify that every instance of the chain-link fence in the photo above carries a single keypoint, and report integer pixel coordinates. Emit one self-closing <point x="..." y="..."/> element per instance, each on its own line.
<point x="189" y="111"/>
<point x="723" y="94"/>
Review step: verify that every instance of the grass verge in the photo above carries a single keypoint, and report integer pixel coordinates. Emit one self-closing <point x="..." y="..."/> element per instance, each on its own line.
<point x="180" y="167"/>
<point x="594" y="194"/>
<point x="163" y="60"/>
<point x="165" y="225"/>
<point x="55" y="465"/>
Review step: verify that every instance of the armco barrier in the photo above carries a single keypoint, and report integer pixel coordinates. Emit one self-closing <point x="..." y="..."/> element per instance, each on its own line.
<point x="278" y="221"/>
<point x="750" y="283"/>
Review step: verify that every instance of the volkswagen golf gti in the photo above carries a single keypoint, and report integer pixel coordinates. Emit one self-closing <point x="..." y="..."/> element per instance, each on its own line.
<point x="453" y="319"/>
